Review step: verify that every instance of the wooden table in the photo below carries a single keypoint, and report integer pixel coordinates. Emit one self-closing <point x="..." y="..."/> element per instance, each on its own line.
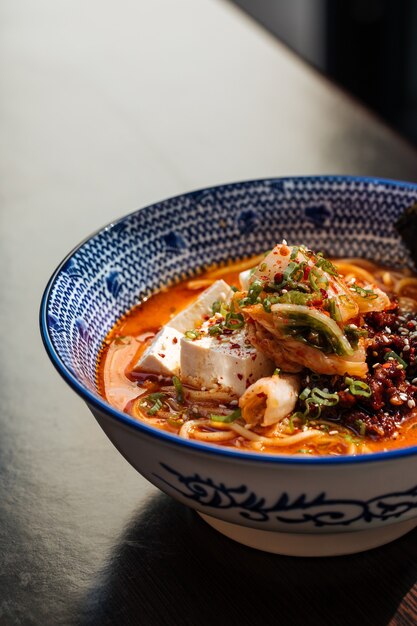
<point x="108" y="106"/>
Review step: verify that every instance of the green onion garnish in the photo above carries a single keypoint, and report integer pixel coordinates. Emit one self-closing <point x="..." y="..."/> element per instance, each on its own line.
<point x="215" y="307"/>
<point x="276" y="371"/>
<point x="156" y="398"/>
<point x="327" y="266"/>
<point x="393" y="356"/>
<point x="305" y="393"/>
<point x="266" y="302"/>
<point x="294" y="253"/>
<point x="226" y="419"/>
<point x="320" y="397"/>
<point x="234" y="321"/>
<point x="358" y="387"/>
<point x="360" y="424"/>
<point x="178" y="388"/>
<point x="254" y="291"/>
<point x="216" y="329"/>
<point x="192" y="334"/>
<point x="364" y="293"/>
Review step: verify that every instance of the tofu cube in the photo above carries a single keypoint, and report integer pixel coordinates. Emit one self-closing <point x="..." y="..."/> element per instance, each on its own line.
<point x="230" y="363"/>
<point x="163" y="355"/>
<point x="187" y="319"/>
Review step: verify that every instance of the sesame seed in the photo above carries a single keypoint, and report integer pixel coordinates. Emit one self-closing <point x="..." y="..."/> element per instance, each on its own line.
<point x="406" y="348"/>
<point x="233" y="402"/>
<point x="385" y="338"/>
<point x="284" y="242"/>
<point x="414" y="381"/>
<point x="403" y="396"/>
<point x="387" y="330"/>
<point x="376" y="365"/>
<point x="411" y="403"/>
<point x="333" y="432"/>
<point x="395" y="435"/>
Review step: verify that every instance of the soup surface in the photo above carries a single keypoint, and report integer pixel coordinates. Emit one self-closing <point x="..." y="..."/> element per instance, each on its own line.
<point x="287" y="352"/>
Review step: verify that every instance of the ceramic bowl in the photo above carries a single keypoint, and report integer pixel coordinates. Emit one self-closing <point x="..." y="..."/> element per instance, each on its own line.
<point x="289" y="505"/>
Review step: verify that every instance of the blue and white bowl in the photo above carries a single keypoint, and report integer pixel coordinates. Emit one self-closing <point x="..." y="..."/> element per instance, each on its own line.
<point x="289" y="505"/>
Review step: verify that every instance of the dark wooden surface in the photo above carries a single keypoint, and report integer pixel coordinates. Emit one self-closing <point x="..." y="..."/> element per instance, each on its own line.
<point x="107" y="107"/>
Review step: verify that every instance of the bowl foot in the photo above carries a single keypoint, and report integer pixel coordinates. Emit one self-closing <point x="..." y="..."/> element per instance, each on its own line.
<point x="311" y="544"/>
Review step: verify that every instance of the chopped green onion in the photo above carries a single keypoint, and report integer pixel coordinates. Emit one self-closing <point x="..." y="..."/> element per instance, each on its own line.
<point x="308" y="414"/>
<point x="294" y="253"/>
<point x="226" y="419"/>
<point x="358" y="387"/>
<point x="287" y="273"/>
<point x="320" y="397"/>
<point x="276" y="371"/>
<point x="363" y="293"/>
<point x="391" y="355"/>
<point x="234" y="321"/>
<point x="233" y="288"/>
<point x="216" y="329"/>
<point x="262" y="267"/>
<point x="294" y="416"/>
<point x="305" y="393"/>
<point x="178" y="388"/>
<point x="327" y="266"/>
<point x="254" y="291"/>
<point x="361" y="426"/>
<point x="266" y="303"/>
<point x="215" y="307"/>
<point x="192" y="334"/>
<point x="176" y="421"/>
<point x="156" y="398"/>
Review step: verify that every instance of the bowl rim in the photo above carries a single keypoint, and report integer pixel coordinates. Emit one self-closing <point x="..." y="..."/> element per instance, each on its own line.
<point x="170" y="438"/>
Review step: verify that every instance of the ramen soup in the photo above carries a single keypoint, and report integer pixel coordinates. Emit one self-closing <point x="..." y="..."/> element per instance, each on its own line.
<point x="287" y="353"/>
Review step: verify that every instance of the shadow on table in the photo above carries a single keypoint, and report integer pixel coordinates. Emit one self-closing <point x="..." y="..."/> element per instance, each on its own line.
<point x="170" y="568"/>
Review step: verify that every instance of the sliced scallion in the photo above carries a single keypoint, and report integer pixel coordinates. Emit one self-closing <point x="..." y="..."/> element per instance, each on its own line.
<point x="305" y="393"/>
<point x="358" y="387"/>
<point x="226" y="419"/>
<point x="391" y="355"/>
<point x="234" y="321"/>
<point x="157" y="399"/>
<point x="320" y="397"/>
<point x="178" y="388"/>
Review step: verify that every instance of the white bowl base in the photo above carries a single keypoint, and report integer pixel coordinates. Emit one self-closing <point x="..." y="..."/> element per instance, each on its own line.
<point x="311" y="544"/>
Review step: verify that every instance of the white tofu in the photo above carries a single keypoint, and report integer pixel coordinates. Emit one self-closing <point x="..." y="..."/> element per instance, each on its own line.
<point x="163" y="355"/>
<point x="187" y="319"/>
<point x="231" y="363"/>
